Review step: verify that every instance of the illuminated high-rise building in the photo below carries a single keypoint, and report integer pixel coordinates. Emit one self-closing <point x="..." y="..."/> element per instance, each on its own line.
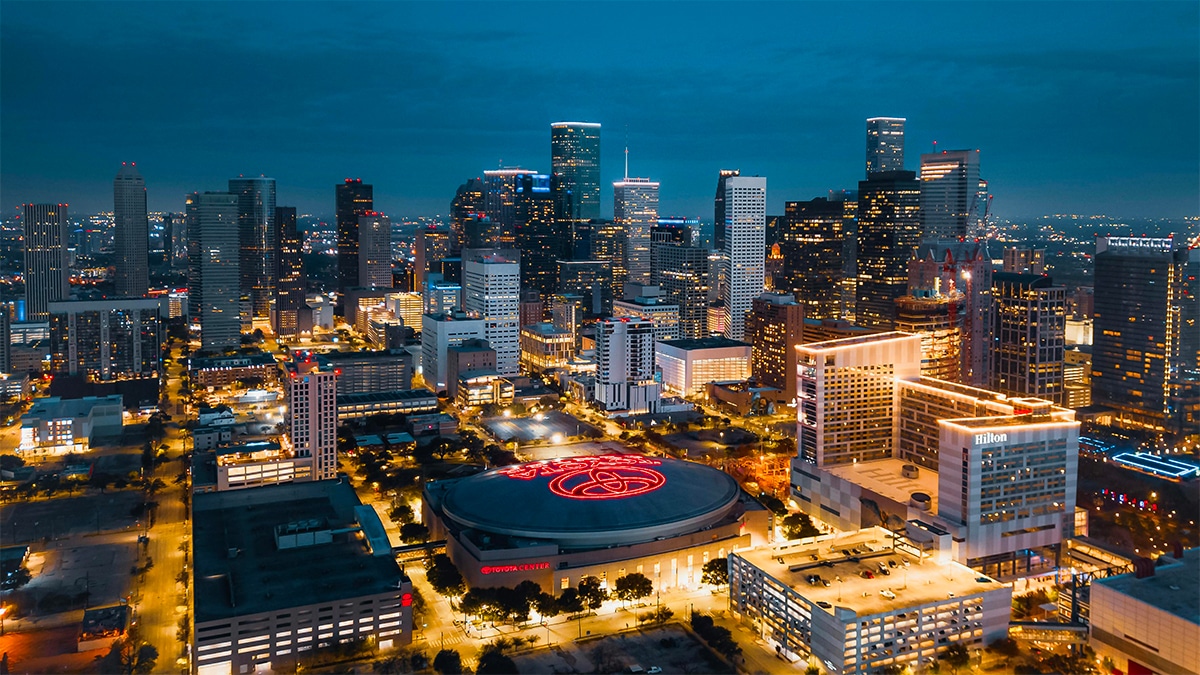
<point x="467" y="202"/>
<point x="213" y="273"/>
<point x="774" y="328"/>
<point x="47" y="273"/>
<point x="575" y="159"/>
<point x="492" y="290"/>
<point x="501" y="190"/>
<point x="374" y="250"/>
<point x="885" y="144"/>
<point x="289" y="286"/>
<point x="259" y="246"/>
<point x="353" y="199"/>
<point x="889" y="230"/>
<point x="719" y="208"/>
<point x="312" y="416"/>
<point x="635" y="205"/>
<point x="608" y="242"/>
<point x="625" y="366"/>
<point x="950" y="206"/>
<point x="1024" y="260"/>
<point x="745" y="249"/>
<point x="1030" y="335"/>
<point x="131" y="232"/>
<point x="542" y="239"/>
<point x="681" y="271"/>
<point x="954" y="269"/>
<point x="433" y="243"/>
<point x="811" y="242"/>
<point x="1146" y="309"/>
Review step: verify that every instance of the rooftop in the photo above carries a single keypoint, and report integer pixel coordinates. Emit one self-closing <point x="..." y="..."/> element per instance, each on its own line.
<point x="56" y="406"/>
<point x="921" y="582"/>
<point x="260" y="577"/>
<point x="237" y="361"/>
<point x="546" y="329"/>
<point x="384" y="396"/>
<point x="1174" y="588"/>
<point x="856" y="340"/>
<point x="883" y="477"/>
<point x="363" y="354"/>
<point x="704" y="343"/>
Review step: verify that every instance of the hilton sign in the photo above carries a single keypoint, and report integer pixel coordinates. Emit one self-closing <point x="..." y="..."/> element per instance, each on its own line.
<point x="989" y="437"/>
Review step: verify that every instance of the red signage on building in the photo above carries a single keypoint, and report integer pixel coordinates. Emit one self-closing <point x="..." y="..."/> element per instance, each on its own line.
<point x="501" y="569"/>
<point x="602" y="477"/>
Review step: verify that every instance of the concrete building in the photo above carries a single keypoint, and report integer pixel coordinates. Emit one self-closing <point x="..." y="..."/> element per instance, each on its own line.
<point x="635" y="206"/>
<point x="1030" y="332"/>
<point x="247" y="465"/>
<point x="939" y="320"/>
<point x="404" y="402"/>
<point x="438" y="333"/>
<point x="774" y="328"/>
<point x="654" y="308"/>
<point x="374" y="250"/>
<point x="58" y="426"/>
<point x="852" y="612"/>
<point x="469" y="356"/>
<point x="1148" y="621"/>
<point x="312" y="416"/>
<point x="213" y="271"/>
<point x="492" y="289"/>
<point x="280" y="571"/>
<point x="222" y="371"/>
<point x="131" y="230"/>
<point x="745" y="249"/>
<point x="367" y="371"/>
<point x="440" y="295"/>
<point x="544" y="347"/>
<point x="944" y="268"/>
<point x="688" y="365"/>
<point x="105" y="340"/>
<point x="47" y="269"/>
<point x="625" y="381"/>
<point x="1024" y="260"/>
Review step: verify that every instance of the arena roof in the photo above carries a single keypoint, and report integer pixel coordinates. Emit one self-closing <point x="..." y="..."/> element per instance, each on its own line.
<point x="593" y="501"/>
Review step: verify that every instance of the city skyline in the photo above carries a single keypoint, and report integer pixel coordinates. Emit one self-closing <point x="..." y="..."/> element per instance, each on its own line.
<point x="1033" y="93"/>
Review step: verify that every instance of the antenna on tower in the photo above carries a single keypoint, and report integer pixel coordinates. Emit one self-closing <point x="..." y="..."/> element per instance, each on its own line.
<point x="626" y="152"/>
<point x="935" y="147"/>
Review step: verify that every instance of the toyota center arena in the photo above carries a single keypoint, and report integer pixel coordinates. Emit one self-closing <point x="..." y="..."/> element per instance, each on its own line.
<point x="556" y="521"/>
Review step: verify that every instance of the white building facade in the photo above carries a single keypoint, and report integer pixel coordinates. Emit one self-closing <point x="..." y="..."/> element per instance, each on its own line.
<point x="440" y="332"/>
<point x="635" y="205"/>
<point x="625" y="366"/>
<point x="687" y="366"/>
<point x="312" y="416"/>
<point x="492" y="288"/>
<point x="745" y="252"/>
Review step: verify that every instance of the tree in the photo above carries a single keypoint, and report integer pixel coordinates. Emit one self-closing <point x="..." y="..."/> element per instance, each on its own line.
<point x="798" y="526"/>
<point x="1005" y="646"/>
<point x="448" y="662"/>
<point x="956" y="656"/>
<point x="590" y="593"/>
<point x="547" y="606"/>
<point x="495" y="663"/>
<point x="414" y="533"/>
<point x="569" y="601"/>
<point x="131" y="655"/>
<point x="444" y="576"/>
<point x="774" y="504"/>
<point x="10" y="462"/>
<point x="716" y="572"/>
<point x="633" y="587"/>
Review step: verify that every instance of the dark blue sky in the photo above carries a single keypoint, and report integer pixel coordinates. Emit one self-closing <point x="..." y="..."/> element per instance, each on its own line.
<point x="1077" y="107"/>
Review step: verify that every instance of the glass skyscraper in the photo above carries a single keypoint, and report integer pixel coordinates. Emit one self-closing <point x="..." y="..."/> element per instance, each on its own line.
<point x="353" y="199"/>
<point x="575" y="159"/>
<point x="47" y="274"/>
<point x="885" y="144"/>
<point x="258" y="237"/>
<point x="131" y="232"/>
<point x="889" y="230"/>
<point x="950" y="207"/>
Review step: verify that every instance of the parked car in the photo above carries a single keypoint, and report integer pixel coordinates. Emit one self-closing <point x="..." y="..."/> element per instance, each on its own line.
<point x="888" y="594"/>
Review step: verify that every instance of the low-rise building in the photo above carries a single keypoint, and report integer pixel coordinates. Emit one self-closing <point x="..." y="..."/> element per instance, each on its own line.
<point x="545" y="346"/>
<point x="368" y="371"/>
<point x="689" y="365"/>
<point x="219" y="416"/>
<point x="470" y="356"/>
<point x="282" y="570"/>
<point x="15" y="385"/>
<point x="864" y="601"/>
<point x="58" y="426"/>
<point x="480" y="387"/>
<point x="209" y="437"/>
<point x="247" y="465"/>
<point x="222" y="371"/>
<point x="407" y="401"/>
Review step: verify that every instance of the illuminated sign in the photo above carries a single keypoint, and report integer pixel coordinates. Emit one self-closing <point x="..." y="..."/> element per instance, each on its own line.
<point x="990" y="437"/>
<point x="501" y="569"/>
<point x="603" y="477"/>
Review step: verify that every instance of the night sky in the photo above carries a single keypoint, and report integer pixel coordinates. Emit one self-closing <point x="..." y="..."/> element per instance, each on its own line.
<point x="1077" y="107"/>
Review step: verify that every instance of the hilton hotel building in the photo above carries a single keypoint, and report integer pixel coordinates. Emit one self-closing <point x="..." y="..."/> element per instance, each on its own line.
<point x="985" y="479"/>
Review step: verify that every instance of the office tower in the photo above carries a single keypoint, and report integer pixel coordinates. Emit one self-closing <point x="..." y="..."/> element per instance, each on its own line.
<point x="368" y="371"/>
<point x="433" y="243"/>
<point x="176" y="243"/>
<point x="500" y="206"/>
<point x="47" y="274"/>
<point x="948" y="268"/>
<point x="1023" y="260"/>
<point x="745" y="249"/>
<point x="353" y="199"/>
<point x="674" y="230"/>
<point x="374" y="250"/>
<point x="439" y="332"/>
<point x="811" y="242"/>
<point x="938" y="318"/>
<point x="950" y="206"/>
<point x="468" y="201"/>
<point x="312" y="416"/>
<point x="575" y="160"/>
<point x="257" y="234"/>
<point x="589" y="280"/>
<point x="719" y="208"/>
<point x="492" y="288"/>
<point x="635" y="206"/>
<point x="649" y="304"/>
<point x="625" y="366"/>
<point x="105" y="340"/>
<point x="681" y="271"/>
<point x="774" y="328"/>
<point x="543" y="240"/>
<point x="885" y="144"/>
<point x="532" y="307"/>
<point x="1030" y="335"/>
<point x="289" y="274"/>
<point x="889" y="230"/>
<point x="5" y="339"/>
<point x="213" y="276"/>
<point x="608" y="240"/>
<point x="1146" y="332"/>
<point x="131" y="232"/>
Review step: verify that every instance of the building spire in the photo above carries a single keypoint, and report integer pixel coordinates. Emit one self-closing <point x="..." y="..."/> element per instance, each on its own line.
<point x="626" y="162"/>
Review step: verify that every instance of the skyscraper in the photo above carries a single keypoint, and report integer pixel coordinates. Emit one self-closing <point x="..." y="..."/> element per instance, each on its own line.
<point x="105" y="340"/>
<point x="312" y="416"/>
<point x="131" y="232"/>
<point x="681" y="271"/>
<point x="47" y="277"/>
<point x="374" y="250"/>
<point x="542" y="239"/>
<point x="635" y="205"/>
<point x="257" y="234"/>
<point x="1030" y="334"/>
<point x="774" y="329"/>
<point x="500" y="196"/>
<point x="1146" y="329"/>
<point x="353" y="198"/>
<point x="213" y="276"/>
<point x="745" y="249"/>
<point x="575" y="160"/>
<point x="625" y="366"/>
<point x="885" y="144"/>
<point x="492" y="288"/>
<point x="433" y="243"/>
<point x="719" y="209"/>
<point x="889" y="230"/>
<point x="608" y="242"/>
<point x="944" y="268"/>
<point x="289" y="287"/>
<point x="468" y="201"/>
<point x="950" y="206"/>
<point x="811" y="245"/>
